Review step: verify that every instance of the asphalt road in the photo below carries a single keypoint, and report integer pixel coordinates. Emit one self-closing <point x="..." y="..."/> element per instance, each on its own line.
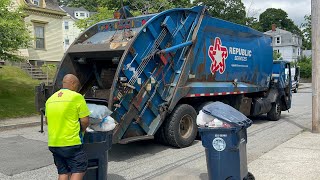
<point x="23" y="152"/>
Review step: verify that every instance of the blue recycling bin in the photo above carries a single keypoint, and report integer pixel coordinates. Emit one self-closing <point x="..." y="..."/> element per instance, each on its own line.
<point x="96" y="145"/>
<point x="225" y="143"/>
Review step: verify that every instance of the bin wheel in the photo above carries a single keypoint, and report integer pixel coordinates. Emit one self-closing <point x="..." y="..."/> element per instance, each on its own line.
<point x="250" y="176"/>
<point x="180" y="128"/>
<point x="275" y="112"/>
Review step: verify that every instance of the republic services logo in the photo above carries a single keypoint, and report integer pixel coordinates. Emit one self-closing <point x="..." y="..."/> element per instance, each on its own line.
<point x="218" y="55"/>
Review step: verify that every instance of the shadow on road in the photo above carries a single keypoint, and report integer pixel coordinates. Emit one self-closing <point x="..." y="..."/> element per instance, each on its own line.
<point x="261" y="119"/>
<point x="115" y="177"/>
<point x="122" y="152"/>
<point x="288" y="119"/>
<point x="284" y="118"/>
<point x="204" y="176"/>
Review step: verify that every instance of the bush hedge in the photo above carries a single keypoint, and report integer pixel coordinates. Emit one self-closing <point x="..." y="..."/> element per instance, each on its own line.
<point x="305" y="64"/>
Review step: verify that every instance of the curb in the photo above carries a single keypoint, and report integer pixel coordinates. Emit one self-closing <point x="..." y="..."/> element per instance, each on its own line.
<point x="17" y="126"/>
<point x="304" y="87"/>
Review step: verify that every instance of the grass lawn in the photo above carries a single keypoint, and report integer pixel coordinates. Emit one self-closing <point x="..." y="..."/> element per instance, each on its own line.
<point x="16" y="93"/>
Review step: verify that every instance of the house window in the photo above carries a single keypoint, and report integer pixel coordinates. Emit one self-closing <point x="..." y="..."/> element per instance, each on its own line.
<point x="36" y="2"/>
<point x="66" y="25"/>
<point x="87" y="14"/>
<point x="277" y="40"/>
<point x="293" y="50"/>
<point x="66" y="42"/>
<point x="81" y="14"/>
<point x="77" y="14"/>
<point x="298" y="51"/>
<point x="39" y="36"/>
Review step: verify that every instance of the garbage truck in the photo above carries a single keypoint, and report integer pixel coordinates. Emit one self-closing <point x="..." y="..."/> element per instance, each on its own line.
<point x="156" y="71"/>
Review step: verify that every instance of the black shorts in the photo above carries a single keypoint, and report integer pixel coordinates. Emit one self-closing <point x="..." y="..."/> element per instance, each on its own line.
<point x="70" y="159"/>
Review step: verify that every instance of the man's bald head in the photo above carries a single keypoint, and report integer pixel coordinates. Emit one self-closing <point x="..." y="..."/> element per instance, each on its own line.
<point x="71" y="82"/>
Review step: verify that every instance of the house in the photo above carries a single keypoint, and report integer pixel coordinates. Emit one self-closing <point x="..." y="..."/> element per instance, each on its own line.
<point x="43" y="19"/>
<point x="286" y="43"/>
<point x="307" y="53"/>
<point x="70" y="30"/>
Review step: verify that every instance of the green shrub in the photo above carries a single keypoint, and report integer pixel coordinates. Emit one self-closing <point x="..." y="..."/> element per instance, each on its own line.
<point x="305" y="64"/>
<point x="51" y="69"/>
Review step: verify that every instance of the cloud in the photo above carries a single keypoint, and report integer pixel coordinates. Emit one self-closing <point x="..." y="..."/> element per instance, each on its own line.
<point x="296" y="9"/>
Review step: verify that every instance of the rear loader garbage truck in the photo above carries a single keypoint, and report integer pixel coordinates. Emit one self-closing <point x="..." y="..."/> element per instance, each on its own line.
<point x="155" y="71"/>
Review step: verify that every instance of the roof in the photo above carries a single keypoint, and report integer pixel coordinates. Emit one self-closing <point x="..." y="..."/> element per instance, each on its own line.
<point x="278" y="32"/>
<point x="50" y="4"/>
<point x="71" y="10"/>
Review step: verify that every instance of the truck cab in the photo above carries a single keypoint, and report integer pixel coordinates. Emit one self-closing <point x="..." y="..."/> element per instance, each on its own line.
<point x="295" y="78"/>
<point x="281" y="82"/>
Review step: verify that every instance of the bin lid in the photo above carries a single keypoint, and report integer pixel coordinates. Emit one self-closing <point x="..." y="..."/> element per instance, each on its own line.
<point x="227" y="113"/>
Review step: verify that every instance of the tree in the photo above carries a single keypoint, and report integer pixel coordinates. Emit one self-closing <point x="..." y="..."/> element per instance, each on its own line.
<point x="102" y="14"/>
<point x="13" y="32"/>
<point x="307" y="32"/>
<point x="277" y="55"/>
<point x="280" y="18"/>
<point x="106" y="8"/>
<point x="150" y="6"/>
<point x="230" y="10"/>
<point x="253" y="23"/>
<point x="181" y="3"/>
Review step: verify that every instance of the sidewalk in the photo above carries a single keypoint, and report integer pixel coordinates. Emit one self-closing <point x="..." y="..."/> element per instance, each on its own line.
<point x="305" y="85"/>
<point x="298" y="158"/>
<point x="14" y="123"/>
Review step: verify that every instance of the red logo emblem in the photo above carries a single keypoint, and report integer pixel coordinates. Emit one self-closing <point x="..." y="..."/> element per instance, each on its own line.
<point x="60" y="94"/>
<point x="218" y="55"/>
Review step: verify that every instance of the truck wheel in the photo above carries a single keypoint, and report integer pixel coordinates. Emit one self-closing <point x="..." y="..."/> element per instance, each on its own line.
<point x="275" y="112"/>
<point x="295" y="89"/>
<point x="180" y="128"/>
<point x="160" y="136"/>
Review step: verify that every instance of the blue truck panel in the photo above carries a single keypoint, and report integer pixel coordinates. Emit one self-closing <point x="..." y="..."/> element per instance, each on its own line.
<point x="152" y="68"/>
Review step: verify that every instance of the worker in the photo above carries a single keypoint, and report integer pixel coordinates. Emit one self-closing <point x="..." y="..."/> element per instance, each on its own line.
<point x="67" y="118"/>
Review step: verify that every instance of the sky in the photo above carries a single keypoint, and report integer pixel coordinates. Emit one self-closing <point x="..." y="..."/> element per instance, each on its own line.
<point x="296" y="9"/>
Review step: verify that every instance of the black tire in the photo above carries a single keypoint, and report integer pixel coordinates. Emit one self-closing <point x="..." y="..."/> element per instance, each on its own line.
<point x="250" y="176"/>
<point x="295" y="90"/>
<point x="160" y="136"/>
<point x="180" y="128"/>
<point x="275" y="113"/>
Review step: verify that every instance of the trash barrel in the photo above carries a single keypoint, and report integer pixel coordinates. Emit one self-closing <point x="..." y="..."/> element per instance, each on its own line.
<point x="225" y="143"/>
<point x="96" y="145"/>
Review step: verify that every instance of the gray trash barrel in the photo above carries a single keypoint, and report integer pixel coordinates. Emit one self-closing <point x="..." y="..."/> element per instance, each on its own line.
<point x="97" y="145"/>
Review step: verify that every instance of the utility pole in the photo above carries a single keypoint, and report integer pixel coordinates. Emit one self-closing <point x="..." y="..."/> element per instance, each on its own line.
<point x="315" y="28"/>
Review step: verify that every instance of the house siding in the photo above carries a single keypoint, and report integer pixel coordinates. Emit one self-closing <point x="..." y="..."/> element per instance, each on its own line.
<point x="48" y="15"/>
<point x="290" y="45"/>
<point x="72" y="33"/>
<point x="53" y="37"/>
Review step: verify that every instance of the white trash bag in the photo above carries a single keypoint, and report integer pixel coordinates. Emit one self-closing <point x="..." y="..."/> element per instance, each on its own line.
<point x="107" y="124"/>
<point x="97" y="113"/>
<point x="204" y="119"/>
